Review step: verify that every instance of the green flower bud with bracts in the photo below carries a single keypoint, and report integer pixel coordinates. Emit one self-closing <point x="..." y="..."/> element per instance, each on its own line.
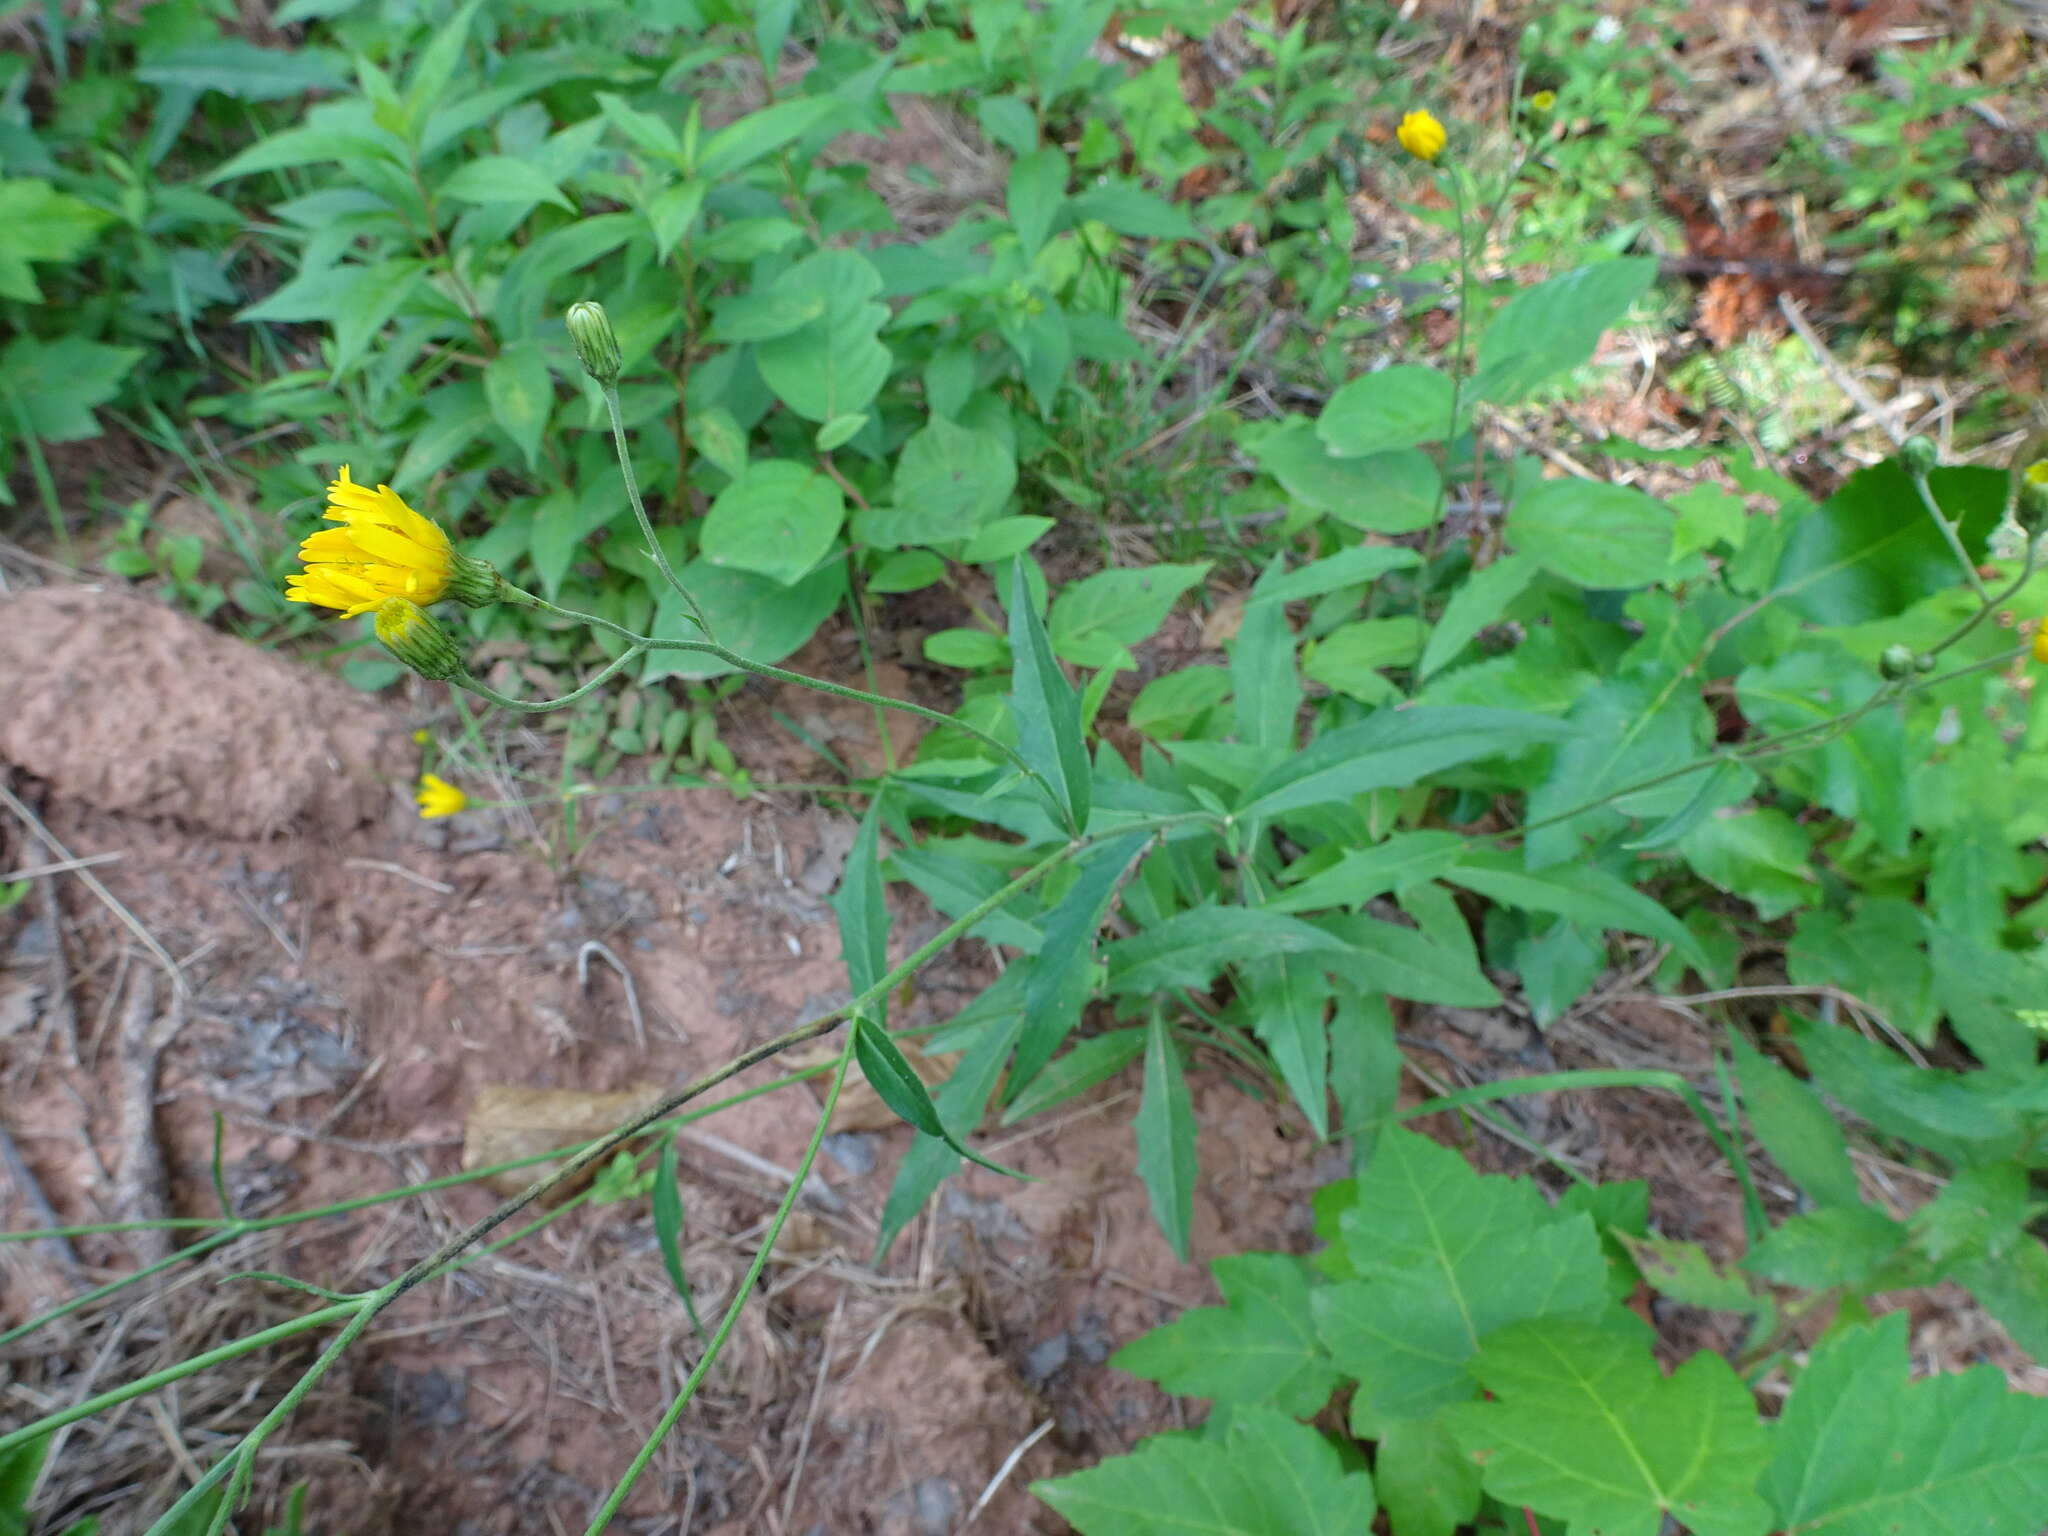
<point x="2033" y="499"/>
<point x="1897" y="662"/>
<point x="407" y="632"/>
<point x="1920" y="455"/>
<point x="596" y="343"/>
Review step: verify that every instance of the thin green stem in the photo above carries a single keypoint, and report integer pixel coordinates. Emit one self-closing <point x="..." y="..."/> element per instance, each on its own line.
<point x="733" y="658"/>
<point x="115" y="1396"/>
<point x="542" y="706"/>
<point x="654" y="549"/>
<point x="245" y="1453"/>
<point x="1553" y="1082"/>
<point x="101" y="1292"/>
<point x="1991" y="605"/>
<point x="1770" y="746"/>
<point x="46" y="486"/>
<point x="623" y="1489"/>
<point x="1948" y="532"/>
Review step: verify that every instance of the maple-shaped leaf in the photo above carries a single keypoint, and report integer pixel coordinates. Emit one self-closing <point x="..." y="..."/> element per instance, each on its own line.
<point x="1264" y="1475"/>
<point x="1446" y="1256"/>
<point x="1584" y="1428"/>
<point x="1860" y="1451"/>
<point x="1261" y="1347"/>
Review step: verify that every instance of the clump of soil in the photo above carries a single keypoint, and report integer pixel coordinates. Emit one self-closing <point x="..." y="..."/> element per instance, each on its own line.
<point x="131" y="707"/>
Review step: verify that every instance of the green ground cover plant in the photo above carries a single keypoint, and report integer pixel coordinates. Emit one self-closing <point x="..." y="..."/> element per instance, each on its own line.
<point x="1480" y="727"/>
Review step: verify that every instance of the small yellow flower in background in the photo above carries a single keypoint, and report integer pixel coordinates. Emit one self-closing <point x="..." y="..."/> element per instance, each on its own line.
<point x="1543" y="101"/>
<point x="383" y="549"/>
<point x="2041" y="643"/>
<point x="2036" y="473"/>
<point x="437" y="797"/>
<point x="1422" y="135"/>
<point x="421" y="737"/>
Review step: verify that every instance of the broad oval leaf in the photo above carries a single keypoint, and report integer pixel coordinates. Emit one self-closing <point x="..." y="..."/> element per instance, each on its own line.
<point x="1593" y="533"/>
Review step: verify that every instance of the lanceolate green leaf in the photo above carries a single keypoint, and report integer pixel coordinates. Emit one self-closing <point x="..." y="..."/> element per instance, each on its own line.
<point x="668" y="1226"/>
<point x="1094" y="1060"/>
<point x="862" y="910"/>
<point x="959" y="1106"/>
<point x="738" y="145"/>
<point x="1286" y="1000"/>
<point x="1406" y="962"/>
<point x="1478" y="602"/>
<point x="1364" y="873"/>
<point x="1582" y="892"/>
<point x="1062" y="976"/>
<point x="1166" y="1137"/>
<point x="1393" y="747"/>
<point x="897" y="1084"/>
<point x="1189" y="948"/>
<point x="1047" y="708"/>
<point x="1859" y="1451"/>
<point x="1795" y="1127"/>
<point x="1263" y="676"/>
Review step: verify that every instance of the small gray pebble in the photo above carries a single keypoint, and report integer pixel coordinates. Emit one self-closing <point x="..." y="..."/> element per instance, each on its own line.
<point x="852" y="1151"/>
<point x="1045" y="1359"/>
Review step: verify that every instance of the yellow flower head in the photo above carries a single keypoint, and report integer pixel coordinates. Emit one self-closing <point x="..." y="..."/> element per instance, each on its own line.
<point x="421" y="737"/>
<point x="437" y="797"/>
<point x="2036" y="473"/>
<point x="1543" y="101"/>
<point x="383" y="549"/>
<point x="2041" y="643"/>
<point x="1422" y="135"/>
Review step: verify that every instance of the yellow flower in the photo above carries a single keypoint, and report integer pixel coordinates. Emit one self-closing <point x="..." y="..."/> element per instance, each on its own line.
<point x="383" y="549"/>
<point x="437" y="797"/>
<point x="2041" y="643"/>
<point x="1543" y="101"/>
<point x="1422" y="135"/>
<point x="421" y="737"/>
<point x="2036" y="473"/>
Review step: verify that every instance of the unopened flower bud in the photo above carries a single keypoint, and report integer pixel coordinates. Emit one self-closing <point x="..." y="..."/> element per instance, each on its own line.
<point x="597" y="344"/>
<point x="1897" y="662"/>
<point x="1919" y="454"/>
<point x="407" y="632"/>
<point x="2033" y="500"/>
